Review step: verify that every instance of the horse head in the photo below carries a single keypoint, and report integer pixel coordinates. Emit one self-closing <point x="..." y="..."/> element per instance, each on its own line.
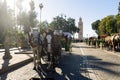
<point x="48" y="38"/>
<point x="35" y="38"/>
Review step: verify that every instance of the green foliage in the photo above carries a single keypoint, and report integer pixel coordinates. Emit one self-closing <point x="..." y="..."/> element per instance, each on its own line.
<point x="32" y="15"/>
<point x="102" y="26"/>
<point x="110" y="24"/>
<point x="118" y="22"/>
<point x="23" y="20"/>
<point x="27" y="19"/>
<point x="71" y="25"/>
<point x="1" y="46"/>
<point x="58" y="23"/>
<point x="43" y="26"/>
<point x="107" y="25"/>
<point x="66" y="25"/>
<point x="95" y="26"/>
<point x="6" y="21"/>
<point x="53" y="24"/>
<point x="21" y="35"/>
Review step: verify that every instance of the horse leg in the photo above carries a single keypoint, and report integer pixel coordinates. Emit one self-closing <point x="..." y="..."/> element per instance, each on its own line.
<point x="118" y="45"/>
<point x="113" y="47"/>
<point x="39" y="56"/>
<point x="34" y="59"/>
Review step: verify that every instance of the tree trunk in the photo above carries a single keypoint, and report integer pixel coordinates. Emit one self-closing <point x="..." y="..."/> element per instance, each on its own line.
<point x="6" y="47"/>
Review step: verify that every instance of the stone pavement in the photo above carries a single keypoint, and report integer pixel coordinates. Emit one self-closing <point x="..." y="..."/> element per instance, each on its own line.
<point x="22" y="58"/>
<point x="11" y="49"/>
<point x="105" y="64"/>
<point x="19" y="59"/>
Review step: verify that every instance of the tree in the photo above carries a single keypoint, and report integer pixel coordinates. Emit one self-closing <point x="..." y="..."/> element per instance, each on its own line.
<point x="118" y="22"/>
<point x="32" y="15"/>
<point x="52" y="25"/>
<point x="95" y="26"/>
<point x="58" y="23"/>
<point x="6" y="27"/>
<point x="71" y="25"/>
<point x="66" y="25"/>
<point x="108" y="25"/>
<point x="19" y="6"/>
<point x="111" y="24"/>
<point x="1" y="24"/>
<point x="44" y="25"/>
<point x="27" y="19"/>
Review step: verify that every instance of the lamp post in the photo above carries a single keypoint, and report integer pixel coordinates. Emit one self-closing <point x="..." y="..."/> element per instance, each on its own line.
<point x="41" y="6"/>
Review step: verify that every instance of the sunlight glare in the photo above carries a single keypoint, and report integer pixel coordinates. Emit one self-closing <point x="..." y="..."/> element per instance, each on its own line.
<point x="12" y="3"/>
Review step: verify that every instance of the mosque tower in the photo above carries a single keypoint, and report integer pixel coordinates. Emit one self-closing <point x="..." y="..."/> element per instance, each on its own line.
<point x="80" y="26"/>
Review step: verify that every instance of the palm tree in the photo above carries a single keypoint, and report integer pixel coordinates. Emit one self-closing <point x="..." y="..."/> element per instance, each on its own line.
<point x="5" y="24"/>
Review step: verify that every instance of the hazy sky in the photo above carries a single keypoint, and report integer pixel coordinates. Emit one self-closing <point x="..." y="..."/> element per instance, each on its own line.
<point x="88" y="10"/>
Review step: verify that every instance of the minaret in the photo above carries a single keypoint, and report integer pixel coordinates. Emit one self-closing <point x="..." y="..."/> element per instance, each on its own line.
<point x="80" y="26"/>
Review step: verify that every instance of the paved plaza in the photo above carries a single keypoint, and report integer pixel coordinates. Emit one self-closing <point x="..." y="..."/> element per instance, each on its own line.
<point x="84" y="63"/>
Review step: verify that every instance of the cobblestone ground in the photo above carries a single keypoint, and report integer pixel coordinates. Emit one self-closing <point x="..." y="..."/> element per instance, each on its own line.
<point x="105" y="64"/>
<point x="69" y="68"/>
<point x="23" y="73"/>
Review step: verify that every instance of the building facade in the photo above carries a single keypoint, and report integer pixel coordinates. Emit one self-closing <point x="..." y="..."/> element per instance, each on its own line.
<point x="80" y="26"/>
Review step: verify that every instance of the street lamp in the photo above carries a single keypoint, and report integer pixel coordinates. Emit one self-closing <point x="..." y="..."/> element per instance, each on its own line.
<point x="65" y="21"/>
<point x="41" y="6"/>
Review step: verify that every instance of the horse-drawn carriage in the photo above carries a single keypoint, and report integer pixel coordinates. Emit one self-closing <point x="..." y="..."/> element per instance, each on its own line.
<point x="110" y="42"/>
<point x="47" y="48"/>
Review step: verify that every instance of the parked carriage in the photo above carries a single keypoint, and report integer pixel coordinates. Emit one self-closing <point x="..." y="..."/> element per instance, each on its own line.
<point x="113" y="42"/>
<point x="110" y="42"/>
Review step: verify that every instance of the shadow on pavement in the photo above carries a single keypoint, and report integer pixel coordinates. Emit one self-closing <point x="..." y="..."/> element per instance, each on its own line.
<point x="69" y="68"/>
<point x="4" y="65"/>
<point x="6" y="68"/>
<point x="98" y="64"/>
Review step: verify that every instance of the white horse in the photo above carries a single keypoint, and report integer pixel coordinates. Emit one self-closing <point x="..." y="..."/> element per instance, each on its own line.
<point x="44" y="46"/>
<point x="35" y="40"/>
